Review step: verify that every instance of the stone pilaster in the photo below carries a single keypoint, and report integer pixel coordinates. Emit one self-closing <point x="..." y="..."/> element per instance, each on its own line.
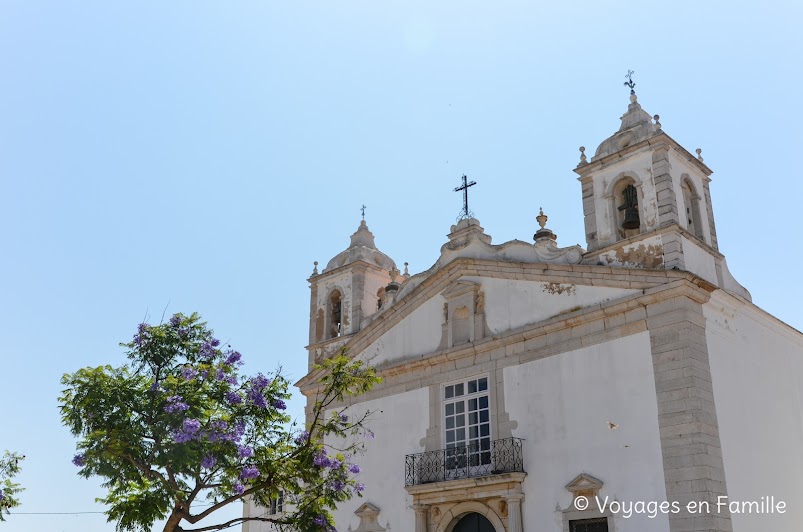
<point x="687" y="419"/>
<point x="514" y="518"/>
<point x="421" y="515"/>
<point x="664" y="189"/>
<point x="589" y="213"/>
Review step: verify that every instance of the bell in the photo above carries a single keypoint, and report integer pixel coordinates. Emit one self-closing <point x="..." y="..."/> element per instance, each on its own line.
<point x="630" y="196"/>
<point x="631" y="220"/>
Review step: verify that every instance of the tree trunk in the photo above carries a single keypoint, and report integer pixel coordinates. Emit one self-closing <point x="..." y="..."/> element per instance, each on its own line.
<point x="173" y="522"/>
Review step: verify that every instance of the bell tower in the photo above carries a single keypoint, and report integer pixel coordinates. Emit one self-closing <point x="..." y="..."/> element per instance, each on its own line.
<point x="647" y="203"/>
<point x="350" y="289"/>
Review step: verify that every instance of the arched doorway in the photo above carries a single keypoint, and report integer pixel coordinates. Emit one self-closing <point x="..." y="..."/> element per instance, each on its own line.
<point x="473" y="522"/>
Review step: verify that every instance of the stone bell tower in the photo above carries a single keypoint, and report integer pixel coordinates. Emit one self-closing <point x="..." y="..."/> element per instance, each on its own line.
<point x="350" y="289"/>
<point x="647" y="203"/>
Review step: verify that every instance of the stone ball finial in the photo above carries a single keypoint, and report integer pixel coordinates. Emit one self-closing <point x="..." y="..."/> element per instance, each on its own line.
<point x="699" y="154"/>
<point x="583" y="158"/>
<point x="315" y="268"/>
<point x="657" y="121"/>
<point x="406" y="271"/>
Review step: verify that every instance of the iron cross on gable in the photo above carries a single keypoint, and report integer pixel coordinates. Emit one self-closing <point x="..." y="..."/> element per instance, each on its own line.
<point x="465" y="213"/>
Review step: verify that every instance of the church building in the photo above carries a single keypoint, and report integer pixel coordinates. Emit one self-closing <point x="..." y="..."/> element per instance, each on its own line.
<point x="529" y="387"/>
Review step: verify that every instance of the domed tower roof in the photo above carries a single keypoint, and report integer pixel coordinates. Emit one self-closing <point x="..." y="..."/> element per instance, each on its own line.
<point x="362" y="248"/>
<point x="637" y="125"/>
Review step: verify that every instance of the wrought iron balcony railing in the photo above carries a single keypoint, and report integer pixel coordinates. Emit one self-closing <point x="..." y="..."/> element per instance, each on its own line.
<point x="480" y="459"/>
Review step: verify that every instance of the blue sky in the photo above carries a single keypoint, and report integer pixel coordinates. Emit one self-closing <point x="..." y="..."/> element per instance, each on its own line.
<point x="198" y="155"/>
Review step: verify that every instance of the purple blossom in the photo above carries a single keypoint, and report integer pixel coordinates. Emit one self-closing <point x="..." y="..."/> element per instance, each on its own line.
<point x="233" y="398"/>
<point x="302" y="438"/>
<point x="249" y="472"/>
<point x="359" y="487"/>
<point x="245" y="451"/>
<point x="233" y="357"/>
<point x="188" y="373"/>
<point x="208" y="462"/>
<point x="334" y="463"/>
<point x="320" y="521"/>
<point x="321" y="460"/>
<point x="183" y="437"/>
<point x="204" y="373"/>
<point x="207" y="350"/>
<point x="369" y="435"/>
<point x="354" y="468"/>
<point x="1" y="495"/>
<point x="79" y="460"/>
<point x="344" y="418"/>
<point x="175" y="404"/>
<point x="215" y="342"/>
<point x="338" y="485"/>
<point x="232" y="379"/>
<point x="238" y="488"/>
<point x="256" y="397"/>
<point x="155" y="386"/>
<point x="220" y="375"/>
<point x="191" y="426"/>
<point x="278" y="404"/>
<point x="259" y="382"/>
<point x="175" y="320"/>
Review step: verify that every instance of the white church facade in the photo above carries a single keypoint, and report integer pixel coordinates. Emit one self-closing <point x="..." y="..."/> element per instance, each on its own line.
<point x="521" y="379"/>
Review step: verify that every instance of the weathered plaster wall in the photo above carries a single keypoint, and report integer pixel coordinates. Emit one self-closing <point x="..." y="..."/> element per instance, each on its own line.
<point x="563" y="405"/>
<point x="510" y="304"/>
<point x="699" y="261"/>
<point x="648" y="252"/>
<point x="417" y="334"/>
<point x="757" y="372"/>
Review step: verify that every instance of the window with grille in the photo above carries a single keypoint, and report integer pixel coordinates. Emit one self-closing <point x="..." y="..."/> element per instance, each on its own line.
<point x="467" y="426"/>
<point x="597" y="524"/>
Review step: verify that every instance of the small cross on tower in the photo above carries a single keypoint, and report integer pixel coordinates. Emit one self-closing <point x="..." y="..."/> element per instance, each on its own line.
<point x="363" y="211"/>
<point x="465" y="213"/>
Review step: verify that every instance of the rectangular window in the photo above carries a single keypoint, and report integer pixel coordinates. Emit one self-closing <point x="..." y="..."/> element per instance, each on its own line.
<point x="276" y="504"/>
<point x="467" y="427"/>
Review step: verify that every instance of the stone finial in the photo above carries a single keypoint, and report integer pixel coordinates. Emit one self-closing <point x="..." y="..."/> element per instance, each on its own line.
<point x="543" y="234"/>
<point x="393" y="274"/>
<point x="583" y="158"/>
<point x="699" y="154"/>
<point x="406" y="271"/>
<point x="541" y="218"/>
<point x="657" y="121"/>
<point x="315" y="268"/>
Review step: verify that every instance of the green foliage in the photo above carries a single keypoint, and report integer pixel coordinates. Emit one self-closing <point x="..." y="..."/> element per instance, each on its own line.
<point x="9" y="468"/>
<point x="179" y="425"/>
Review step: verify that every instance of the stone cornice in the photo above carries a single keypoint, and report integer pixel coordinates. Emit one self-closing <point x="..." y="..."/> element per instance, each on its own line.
<point x="656" y="140"/>
<point x="356" y="265"/>
<point x="666" y="284"/>
<point x="673" y="227"/>
<point x="438" y="492"/>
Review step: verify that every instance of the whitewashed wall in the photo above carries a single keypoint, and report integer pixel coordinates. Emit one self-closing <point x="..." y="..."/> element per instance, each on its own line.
<point x="757" y="373"/>
<point x="508" y="304"/>
<point x="563" y="404"/>
<point x="398" y="423"/>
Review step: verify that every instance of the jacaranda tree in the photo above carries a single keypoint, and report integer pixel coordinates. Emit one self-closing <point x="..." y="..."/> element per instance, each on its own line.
<point x="178" y="433"/>
<point x="9" y="467"/>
